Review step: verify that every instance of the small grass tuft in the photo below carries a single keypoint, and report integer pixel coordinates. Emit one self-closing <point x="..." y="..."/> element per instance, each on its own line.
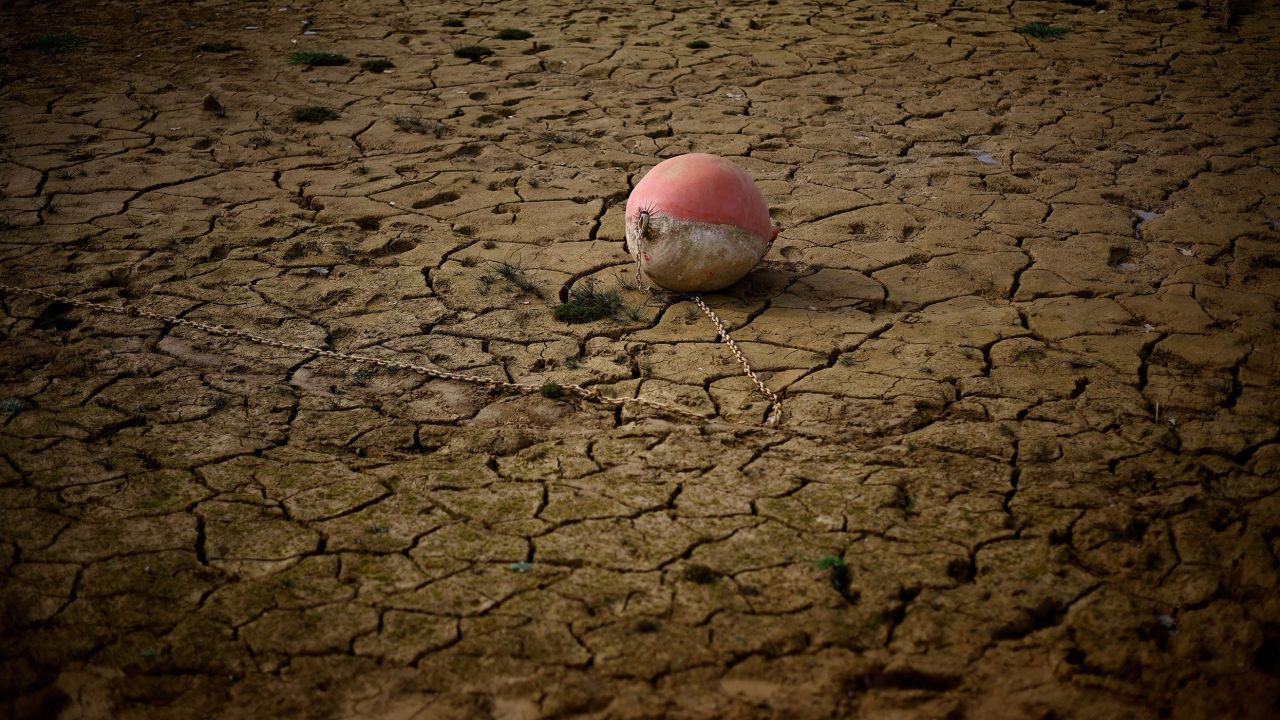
<point x="377" y="66"/>
<point x="698" y="45"/>
<point x="552" y="391"/>
<point x="557" y="137"/>
<point x="699" y="574"/>
<point x="1043" y="31"/>
<point x="514" y="274"/>
<point x="53" y="43"/>
<point x="6" y="226"/>
<point x="10" y="405"/>
<point x="827" y="562"/>
<point x="218" y="47"/>
<point x="415" y="123"/>
<point x="472" y="52"/>
<point x="838" y="573"/>
<point x="452" y="22"/>
<point x="513" y="34"/>
<point x="588" y="303"/>
<point x="317" y="59"/>
<point x="313" y="113"/>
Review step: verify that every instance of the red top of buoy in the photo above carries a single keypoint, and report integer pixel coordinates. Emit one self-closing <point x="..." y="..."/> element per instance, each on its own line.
<point x="702" y="188"/>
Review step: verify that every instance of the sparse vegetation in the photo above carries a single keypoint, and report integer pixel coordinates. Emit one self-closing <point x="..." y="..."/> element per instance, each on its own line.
<point x="698" y="45"/>
<point x="588" y="303"/>
<point x="361" y="170"/>
<point x="260" y="140"/>
<point x="513" y="34"/>
<point x="53" y="43"/>
<point x="573" y="363"/>
<point x="10" y="405"/>
<point x="317" y="59"/>
<point x="452" y="23"/>
<point x="313" y="113"/>
<point x="557" y="137"/>
<point x="512" y="274"/>
<point x="699" y="574"/>
<point x="848" y="360"/>
<point x="552" y="391"/>
<point x="377" y="66"/>
<point x="472" y="52"/>
<point x="837" y="570"/>
<point x="415" y="123"/>
<point x="1043" y="31"/>
<point x="218" y="47"/>
<point x="6" y="226"/>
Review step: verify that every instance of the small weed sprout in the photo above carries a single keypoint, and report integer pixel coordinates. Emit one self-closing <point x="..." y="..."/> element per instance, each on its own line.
<point x="513" y="34"/>
<point x="313" y="114"/>
<point x="317" y="59"/>
<point x="415" y="123"/>
<point x="361" y="170"/>
<point x="838" y="571"/>
<point x="472" y="52"/>
<point x="514" y="274"/>
<point x="452" y="23"/>
<point x="260" y="140"/>
<point x="556" y="137"/>
<point x="65" y="174"/>
<point x="218" y="47"/>
<point x="1043" y="31"/>
<point x="588" y="303"/>
<point x="698" y="45"/>
<point x="699" y="574"/>
<point x="626" y="283"/>
<point x="574" y="362"/>
<point x="377" y="66"/>
<point x="552" y="391"/>
<point x="10" y="405"/>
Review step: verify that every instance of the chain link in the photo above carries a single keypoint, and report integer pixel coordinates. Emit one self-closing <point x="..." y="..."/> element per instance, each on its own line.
<point x="588" y="394"/>
<point x="775" y="402"/>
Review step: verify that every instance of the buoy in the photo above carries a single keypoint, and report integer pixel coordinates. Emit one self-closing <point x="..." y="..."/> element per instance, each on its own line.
<point x="697" y="223"/>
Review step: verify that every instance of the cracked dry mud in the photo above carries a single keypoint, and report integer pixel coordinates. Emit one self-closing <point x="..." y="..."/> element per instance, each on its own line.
<point x="1023" y="310"/>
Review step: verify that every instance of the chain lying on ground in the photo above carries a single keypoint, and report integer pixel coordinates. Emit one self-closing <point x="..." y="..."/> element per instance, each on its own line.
<point x="583" y="392"/>
<point x="775" y="402"/>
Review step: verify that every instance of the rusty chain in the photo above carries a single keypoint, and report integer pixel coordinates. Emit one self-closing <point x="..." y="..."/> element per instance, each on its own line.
<point x="775" y="402"/>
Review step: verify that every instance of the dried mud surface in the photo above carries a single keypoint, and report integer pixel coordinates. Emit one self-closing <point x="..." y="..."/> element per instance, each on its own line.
<point x="1023" y="309"/>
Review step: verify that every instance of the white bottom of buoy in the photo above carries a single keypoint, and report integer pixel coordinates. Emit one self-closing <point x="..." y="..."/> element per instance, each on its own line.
<point x="687" y="256"/>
